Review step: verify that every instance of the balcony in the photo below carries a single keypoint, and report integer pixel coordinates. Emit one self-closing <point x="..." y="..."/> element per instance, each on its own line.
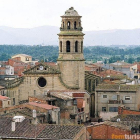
<point x="115" y="102"/>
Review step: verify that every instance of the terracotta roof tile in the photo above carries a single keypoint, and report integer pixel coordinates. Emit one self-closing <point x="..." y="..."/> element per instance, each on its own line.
<point x="116" y="87"/>
<point x="26" y="130"/>
<point x="46" y="106"/>
<point x="60" y="131"/>
<point x="4" y="97"/>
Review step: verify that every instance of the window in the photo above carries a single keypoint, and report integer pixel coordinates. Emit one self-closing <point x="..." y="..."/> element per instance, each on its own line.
<point x="75" y="102"/>
<point x="127" y="97"/>
<point x="113" y="109"/>
<point x="76" y="46"/>
<point x="8" y="102"/>
<point x="13" y="101"/>
<point x="79" y="24"/>
<point x="103" y="108"/>
<point x="127" y="107"/>
<point x="27" y="59"/>
<point x="68" y="25"/>
<point x="82" y="109"/>
<point x="42" y="82"/>
<point x="60" y="46"/>
<point x="63" y="25"/>
<point x="75" y="25"/>
<point x="104" y="96"/>
<point x="68" y="46"/>
<point x="79" y="109"/>
<point x="81" y="46"/>
<point x="87" y="100"/>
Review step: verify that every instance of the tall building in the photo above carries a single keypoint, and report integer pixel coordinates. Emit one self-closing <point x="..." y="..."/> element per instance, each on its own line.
<point x="71" y="60"/>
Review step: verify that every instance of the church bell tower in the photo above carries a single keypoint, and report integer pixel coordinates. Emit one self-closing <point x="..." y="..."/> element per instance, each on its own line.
<point x="71" y="60"/>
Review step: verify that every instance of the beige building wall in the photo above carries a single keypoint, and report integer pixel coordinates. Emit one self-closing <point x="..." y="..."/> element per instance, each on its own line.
<point x="24" y="58"/>
<point x="104" y="102"/>
<point x="30" y="87"/>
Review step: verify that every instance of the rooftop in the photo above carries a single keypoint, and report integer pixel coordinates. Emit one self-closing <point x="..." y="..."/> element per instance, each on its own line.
<point x="116" y="87"/>
<point x="71" y="12"/>
<point x="65" y="94"/>
<point x="114" y="124"/>
<point x="4" y="97"/>
<point x="45" y="106"/>
<point x="22" y="55"/>
<point x="126" y="118"/>
<point x="26" y="130"/>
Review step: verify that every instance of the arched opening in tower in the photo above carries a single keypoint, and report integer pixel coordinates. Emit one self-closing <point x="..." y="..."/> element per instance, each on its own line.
<point x="79" y="24"/>
<point x="68" y="46"/>
<point x="76" y="46"/>
<point x="75" y="25"/>
<point x="60" y="46"/>
<point x="81" y="46"/>
<point x="63" y="25"/>
<point x="68" y="26"/>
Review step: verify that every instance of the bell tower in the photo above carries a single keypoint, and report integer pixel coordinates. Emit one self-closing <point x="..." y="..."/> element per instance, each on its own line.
<point x="71" y="60"/>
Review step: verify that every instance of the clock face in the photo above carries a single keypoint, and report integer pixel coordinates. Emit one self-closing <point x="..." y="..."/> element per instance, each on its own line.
<point x="41" y="67"/>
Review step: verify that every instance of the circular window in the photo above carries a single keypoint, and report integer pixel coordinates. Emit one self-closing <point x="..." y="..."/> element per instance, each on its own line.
<point x="42" y="82"/>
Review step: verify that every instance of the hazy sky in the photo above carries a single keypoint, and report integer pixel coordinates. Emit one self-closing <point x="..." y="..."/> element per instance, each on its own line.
<point x="96" y="14"/>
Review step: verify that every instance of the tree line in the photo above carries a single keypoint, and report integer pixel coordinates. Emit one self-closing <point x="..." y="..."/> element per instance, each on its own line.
<point x="107" y="54"/>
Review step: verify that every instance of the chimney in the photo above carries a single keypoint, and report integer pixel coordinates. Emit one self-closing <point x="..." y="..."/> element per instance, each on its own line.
<point x="13" y="126"/>
<point x="16" y="119"/>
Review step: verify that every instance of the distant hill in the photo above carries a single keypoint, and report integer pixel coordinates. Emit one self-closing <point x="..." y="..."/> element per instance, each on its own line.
<point x="47" y="35"/>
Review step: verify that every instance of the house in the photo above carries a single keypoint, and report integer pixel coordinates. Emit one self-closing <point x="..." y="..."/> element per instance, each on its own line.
<point x="130" y="118"/>
<point x="74" y="105"/>
<point x="108" y="130"/>
<point x="5" y="101"/>
<point x="108" y="97"/>
<point x="45" y="113"/>
<point x="122" y="67"/>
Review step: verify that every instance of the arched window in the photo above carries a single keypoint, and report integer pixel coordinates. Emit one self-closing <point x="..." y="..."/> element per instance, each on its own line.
<point x="79" y="24"/>
<point x="63" y="25"/>
<point x="81" y="46"/>
<point x="68" y="25"/>
<point x="68" y="46"/>
<point x="75" y="25"/>
<point x="60" y="46"/>
<point x="76" y="46"/>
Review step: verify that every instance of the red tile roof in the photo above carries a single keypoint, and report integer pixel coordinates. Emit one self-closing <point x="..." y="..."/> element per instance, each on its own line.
<point x="26" y="130"/>
<point x="4" y="97"/>
<point x="45" y="106"/>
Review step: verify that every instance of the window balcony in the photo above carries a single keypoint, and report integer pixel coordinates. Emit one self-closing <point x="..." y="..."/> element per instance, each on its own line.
<point x="115" y="102"/>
